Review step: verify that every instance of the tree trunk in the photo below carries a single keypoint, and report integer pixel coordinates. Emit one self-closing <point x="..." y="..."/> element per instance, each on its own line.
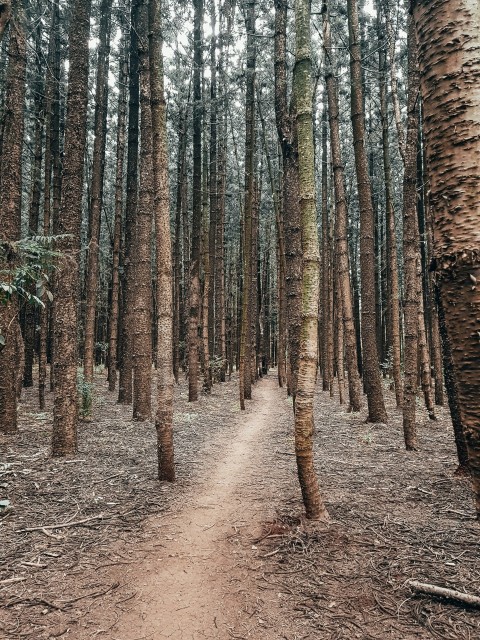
<point x="117" y="234"/>
<point x="96" y="202"/>
<point x="164" y="414"/>
<point x="410" y="242"/>
<point x="371" y="371"/>
<point x="31" y="313"/>
<point x="10" y="212"/>
<point x="68" y="224"/>
<point x="245" y="335"/>
<point x="194" y="314"/>
<point x="142" y="268"/>
<point x="50" y="98"/>
<point x="304" y="423"/>
<point x="128" y="284"/>
<point x="449" y="43"/>
<point x="341" y="214"/>
<point x="392" y="260"/>
<point x="287" y="134"/>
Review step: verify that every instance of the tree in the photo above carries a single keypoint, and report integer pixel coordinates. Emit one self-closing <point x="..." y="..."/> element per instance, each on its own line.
<point x="142" y="258"/>
<point x="96" y="200"/>
<point x="304" y="423"/>
<point x="164" y="414"/>
<point x="341" y="240"/>
<point x="410" y="253"/>
<point x="287" y="134"/>
<point x="125" y="389"/>
<point x="245" y="379"/>
<point x="371" y="371"/>
<point x="119" y="201"/>
<point x="10" y="212"/>
<point x="194" y="315"/>
<point x="449" y="45"/>
<point x="68" y="223"/>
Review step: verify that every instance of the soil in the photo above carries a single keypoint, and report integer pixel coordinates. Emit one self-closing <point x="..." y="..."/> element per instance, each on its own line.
<point x="96" y="547"/>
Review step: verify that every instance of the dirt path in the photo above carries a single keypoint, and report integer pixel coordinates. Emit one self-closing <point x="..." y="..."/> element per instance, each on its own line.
<point x="194" y="584"/>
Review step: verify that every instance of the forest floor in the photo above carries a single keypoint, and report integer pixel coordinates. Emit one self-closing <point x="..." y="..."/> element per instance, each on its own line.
<point x="95" y="547"/>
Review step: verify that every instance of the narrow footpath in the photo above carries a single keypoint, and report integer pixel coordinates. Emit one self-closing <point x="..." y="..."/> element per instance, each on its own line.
<point x="195" y="583"/>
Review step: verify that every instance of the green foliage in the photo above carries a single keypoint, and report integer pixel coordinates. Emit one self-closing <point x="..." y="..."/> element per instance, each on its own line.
<point x="85" y="396"/>
<point x="26" y="266"/>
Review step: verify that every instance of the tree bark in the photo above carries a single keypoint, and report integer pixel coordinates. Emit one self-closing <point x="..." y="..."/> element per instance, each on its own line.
<point x="194" y="313"/>
<point x="410" y="251"/>
<point x="142" y="266"/>
<point x="117" y="234"/>
<point x="68" y="224"/>
<point x="10" y="212"/>
<point x="164" y="414"/>
<point x="50" y="98"/>
<point x="304" y="422"/>
<point x="287" y="134"/>
<point x="245" y="331"/>
<point x="449" y="45"/>
<point x="125" y="389"/>
<point x="392" y="260"/>
<point x="371" y="371"/>
<point x="341" y="216"/>
<point x="96" y="201"/>
<point x="5" y="15"/>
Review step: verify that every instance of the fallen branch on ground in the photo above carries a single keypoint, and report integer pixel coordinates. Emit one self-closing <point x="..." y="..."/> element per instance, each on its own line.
<point x="62" y="526"/>
<point x="452" y="594"/>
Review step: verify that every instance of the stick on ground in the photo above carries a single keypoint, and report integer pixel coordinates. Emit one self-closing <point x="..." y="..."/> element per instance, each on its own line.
<point x="452" y="594"/>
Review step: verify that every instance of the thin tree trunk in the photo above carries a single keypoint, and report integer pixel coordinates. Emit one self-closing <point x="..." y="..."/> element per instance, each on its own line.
<point x="125" y="389"/>
<point x="287" y="134"/>
<point x="194" y="314"/>
<point x="31" y="313"/>
<point x="121" y="134"/>
<point x="245" y="332"/>
<point x="449" y="43"/>
<point x="68" y="224"/>
<point x="392" y="261"/>
<point x="96" y="202"/>
<point x="371" y="371"/>
<point x="50" y="97"/>
<point x="341" y="239"/>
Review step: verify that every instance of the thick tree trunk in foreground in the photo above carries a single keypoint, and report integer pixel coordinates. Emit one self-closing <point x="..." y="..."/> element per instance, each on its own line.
<point x="371" y="370"/>
<point x="10" y="210"/>
<point x="449" y="56"/>
<point x="341" y="238"/>
<point x="304" y="424"/>
<point x="410" y="250"/>
<point x="164" y="414"/>
<point x="65" y="410"/>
